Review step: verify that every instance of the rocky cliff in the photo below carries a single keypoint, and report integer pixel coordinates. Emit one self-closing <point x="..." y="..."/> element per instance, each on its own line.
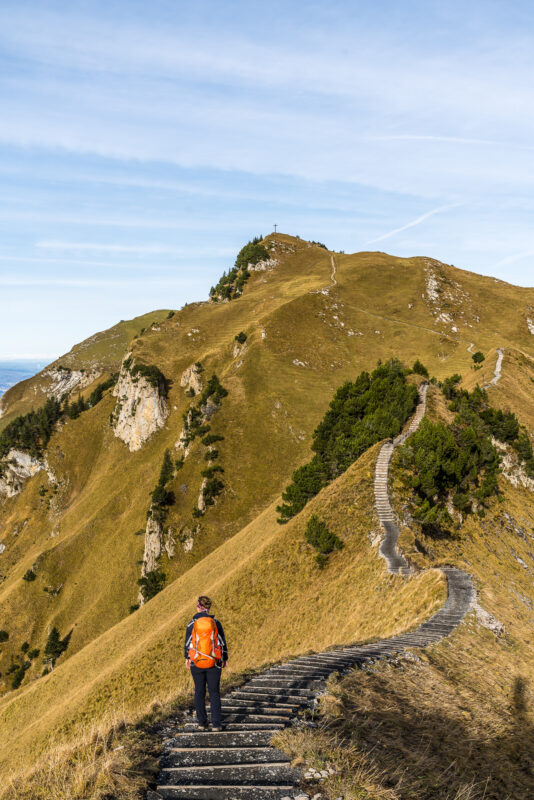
<point x="141" y="408"/>
<point x="16" y="468"/>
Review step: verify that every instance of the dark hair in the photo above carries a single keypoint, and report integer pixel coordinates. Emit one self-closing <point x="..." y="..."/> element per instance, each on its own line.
<point x="204" y="601"/>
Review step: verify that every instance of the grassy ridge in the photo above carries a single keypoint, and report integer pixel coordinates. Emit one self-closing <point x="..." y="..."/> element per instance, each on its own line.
<point x="302" y="344"/>
<point x="140" y="659"/>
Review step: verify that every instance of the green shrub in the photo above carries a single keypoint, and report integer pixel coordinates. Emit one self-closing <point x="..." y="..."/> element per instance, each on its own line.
<point x="29" y="576"/>
<point x="55" y="645"/>
<point x="441" y="463"/>
<point x="214" y="390"/>
<point x="152" y="583"/>
<point x="420" y="369"/>
<point x="4" y="636"/>
<point x="33" y="654"/>
<point x="18" y="675"/>
<point x="231" y="284"/>
<point x="212" y="438"/>
<point x="209" y="472"/>
<point x="25" y="646"/>
<point x="478" y="357"/>
<point x="98" y="392"/>
<point x="152" y="374"/>
<point x="170" y="315"/>
<point x="167" y="468"/>
<point x="324" y="541"/>
<point x="211" y="490"/>
<point x="363" y="412"/>
<point x="31" y="432"/>
<point x="241" y="337"/>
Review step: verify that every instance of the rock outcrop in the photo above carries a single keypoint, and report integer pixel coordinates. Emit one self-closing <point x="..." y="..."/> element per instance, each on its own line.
<point x="140" y="411"/>
<point x="201" y="502"/>
<point x="191" y="380"/>
<point x="152" y="553"/>
<point x="153" y="542"/>
<point x="16" y="468"/>
<point x="64" y="380"/>
<point x="262" y="266"/>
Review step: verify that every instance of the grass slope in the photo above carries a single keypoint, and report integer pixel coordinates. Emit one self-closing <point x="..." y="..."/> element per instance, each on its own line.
<point x="457" y="720"/>
<point x="274" y="603"/>
<point x="306" y="335"/>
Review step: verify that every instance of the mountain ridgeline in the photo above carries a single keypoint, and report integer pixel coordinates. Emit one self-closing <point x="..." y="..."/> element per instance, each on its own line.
<point x="155" y="462"/>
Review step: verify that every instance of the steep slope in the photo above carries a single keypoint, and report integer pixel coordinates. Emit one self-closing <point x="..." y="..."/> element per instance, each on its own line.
<point x="266" y="571"/>
<point x="308" y="328"/>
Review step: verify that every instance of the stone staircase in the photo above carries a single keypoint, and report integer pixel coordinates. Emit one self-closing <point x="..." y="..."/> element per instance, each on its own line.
<point x="239" y="763"/>
<point x="396" y="563"/>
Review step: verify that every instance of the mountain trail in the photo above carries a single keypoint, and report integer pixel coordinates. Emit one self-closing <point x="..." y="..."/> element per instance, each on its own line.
<point x="334" y="270"/>
<point x="498" y="367"/>
<point x="240" y="763"/>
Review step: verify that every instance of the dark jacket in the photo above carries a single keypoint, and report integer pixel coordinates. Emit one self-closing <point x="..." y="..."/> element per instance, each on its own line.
<point x="189" y="635"/>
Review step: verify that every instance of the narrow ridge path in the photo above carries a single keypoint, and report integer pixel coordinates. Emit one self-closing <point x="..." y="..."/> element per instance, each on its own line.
<point x="333" y="273"/>
<point x="498" y="367"/>
<point x="240" y="763"/>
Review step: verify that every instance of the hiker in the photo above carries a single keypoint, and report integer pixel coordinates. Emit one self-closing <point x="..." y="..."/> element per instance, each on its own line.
<point x="205" y="655"/>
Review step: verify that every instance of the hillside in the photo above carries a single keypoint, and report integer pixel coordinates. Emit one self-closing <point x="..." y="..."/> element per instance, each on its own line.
<point x="313" y="320"/>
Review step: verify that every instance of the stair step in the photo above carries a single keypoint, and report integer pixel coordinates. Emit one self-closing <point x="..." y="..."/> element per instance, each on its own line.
<point x="267" y="702"/>
<point x="257" y="792"/>
<point x="202" y="739"/>
<point x="255" y="708"/>
<point x="294" y="691"/>
<point x="288" y="701"/>
<point x="276" y="772"/>
<point x="210" y="756"/>
<point x="240" y="715"/>
<point x="242" y="726"/>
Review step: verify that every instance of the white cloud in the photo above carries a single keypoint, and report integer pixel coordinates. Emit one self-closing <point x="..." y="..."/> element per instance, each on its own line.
<point x="414" y="222"/>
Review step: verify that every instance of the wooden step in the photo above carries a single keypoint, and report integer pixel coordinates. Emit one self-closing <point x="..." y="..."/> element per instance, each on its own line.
<point x="274" y="772"/>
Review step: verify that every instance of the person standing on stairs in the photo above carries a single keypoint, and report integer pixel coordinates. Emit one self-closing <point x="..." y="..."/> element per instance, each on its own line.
<point x="206" y="654"/>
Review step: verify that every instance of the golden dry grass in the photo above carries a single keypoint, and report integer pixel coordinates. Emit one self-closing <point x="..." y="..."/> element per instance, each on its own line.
<point x="86" y="542"/>
<point x="111" y="759"/>
<point x="274" y="602"/>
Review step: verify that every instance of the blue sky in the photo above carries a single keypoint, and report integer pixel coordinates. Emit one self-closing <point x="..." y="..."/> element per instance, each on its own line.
<point x="141" y="144"/>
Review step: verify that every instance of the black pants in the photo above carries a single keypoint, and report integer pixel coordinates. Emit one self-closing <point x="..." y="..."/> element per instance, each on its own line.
<point x="211" y="677"/>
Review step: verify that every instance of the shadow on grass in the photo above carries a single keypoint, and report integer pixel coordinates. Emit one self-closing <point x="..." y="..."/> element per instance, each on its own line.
<point x="435" y="754"/>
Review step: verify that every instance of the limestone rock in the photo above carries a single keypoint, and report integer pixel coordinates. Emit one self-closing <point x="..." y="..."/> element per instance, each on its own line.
<point x="153" y="541"/>
<point x="63" y="381"/>
<point x="140" y="411"/>
<point x="191" y="379"/>
<point x="17" y="467"/>
<point x="262" y="266"/>
<point x="512" y="469"/>
<point x="201" y="503"/>
<point x="487" y="620"/>
<point x="239" y="349"/>
<point x="169" y="543"/>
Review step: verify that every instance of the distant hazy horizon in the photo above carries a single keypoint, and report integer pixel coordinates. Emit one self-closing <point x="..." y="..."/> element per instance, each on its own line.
<point x="13" y="371"/>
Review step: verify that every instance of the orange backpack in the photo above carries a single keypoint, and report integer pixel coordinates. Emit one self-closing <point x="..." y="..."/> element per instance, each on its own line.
<point x="205" y="650"/>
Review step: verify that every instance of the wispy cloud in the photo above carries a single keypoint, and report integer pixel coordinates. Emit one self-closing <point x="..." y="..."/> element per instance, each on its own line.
<point x="133" y="249"/>
<point x="513" y="258"/>
<point x="414" y="222"/>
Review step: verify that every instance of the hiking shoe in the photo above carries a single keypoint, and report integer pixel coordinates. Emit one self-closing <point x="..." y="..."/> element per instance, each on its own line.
<point x="201" y="727"/>
<point x="218" y="728"/>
